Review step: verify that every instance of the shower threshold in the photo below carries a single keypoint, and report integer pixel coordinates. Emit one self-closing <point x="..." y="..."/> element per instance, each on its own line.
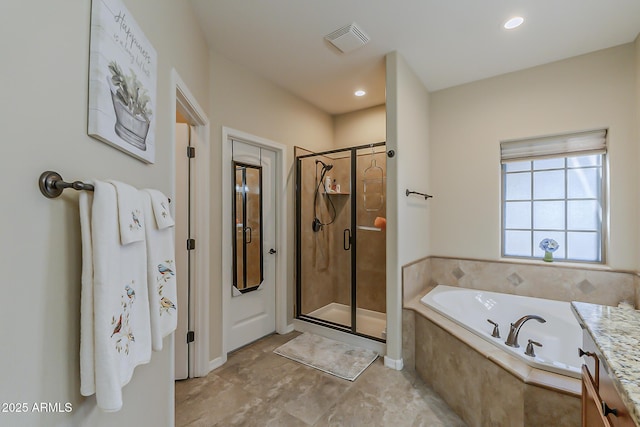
<point x="369" y="322"/>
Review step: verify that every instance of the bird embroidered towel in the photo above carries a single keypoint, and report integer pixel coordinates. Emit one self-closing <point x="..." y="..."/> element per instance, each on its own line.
<point x="122" y="335"/>
<point x="161" y="271"/>
<point x="129" y="213"/>
<point x="160" y="205"/>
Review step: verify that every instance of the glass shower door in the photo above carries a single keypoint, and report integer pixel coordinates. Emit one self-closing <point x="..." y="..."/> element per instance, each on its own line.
<point x="370" y="231"/>
<point x="325" y="238"/>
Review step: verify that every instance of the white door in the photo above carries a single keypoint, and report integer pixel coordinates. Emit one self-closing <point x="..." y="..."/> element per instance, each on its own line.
<point x="252" y="304"/>
<point x="183" y="231"/>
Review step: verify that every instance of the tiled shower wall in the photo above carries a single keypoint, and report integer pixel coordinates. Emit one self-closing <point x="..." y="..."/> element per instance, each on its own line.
<point x="551" y="281"/>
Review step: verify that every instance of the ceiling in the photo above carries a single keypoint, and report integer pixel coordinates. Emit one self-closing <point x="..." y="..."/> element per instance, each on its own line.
<point x="446" y="42"/>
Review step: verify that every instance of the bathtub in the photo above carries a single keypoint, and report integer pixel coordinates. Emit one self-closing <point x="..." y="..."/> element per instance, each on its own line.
<point x="560" y="336"/>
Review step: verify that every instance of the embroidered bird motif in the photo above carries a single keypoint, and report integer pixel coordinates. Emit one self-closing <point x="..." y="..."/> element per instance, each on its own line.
<point x="166" y="303"/>
<point x="164" y="270"/>
<point x="130" y="292"/>
<point x="136" y="221"/>
<point x="118" y="326"/>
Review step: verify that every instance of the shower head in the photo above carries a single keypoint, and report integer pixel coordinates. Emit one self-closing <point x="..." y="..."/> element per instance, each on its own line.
<point x="325" y="166"/>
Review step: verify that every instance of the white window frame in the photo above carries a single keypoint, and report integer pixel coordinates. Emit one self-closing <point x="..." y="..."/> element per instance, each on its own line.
<point x="559" y="146"/>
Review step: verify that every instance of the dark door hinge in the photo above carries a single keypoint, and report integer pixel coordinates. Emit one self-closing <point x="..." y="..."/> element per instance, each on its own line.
<point x="191" y="244"/>
<point x="191" y="152"/>
<point x="191" y="336"/>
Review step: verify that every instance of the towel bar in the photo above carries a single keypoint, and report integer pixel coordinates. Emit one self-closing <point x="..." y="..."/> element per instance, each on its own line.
<point x="52" y="185"/>
<point x="426" y="196"/>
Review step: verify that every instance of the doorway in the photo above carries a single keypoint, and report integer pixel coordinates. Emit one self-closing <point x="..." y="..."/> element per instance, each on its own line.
<point x="191" y="213"/>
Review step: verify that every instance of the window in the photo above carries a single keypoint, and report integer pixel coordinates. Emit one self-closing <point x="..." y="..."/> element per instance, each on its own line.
<point x="554" y="187"/>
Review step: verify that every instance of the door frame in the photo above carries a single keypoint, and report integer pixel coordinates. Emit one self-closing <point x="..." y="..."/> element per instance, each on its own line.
<point x="281" y="234"/>
<point x="189" y="107"/>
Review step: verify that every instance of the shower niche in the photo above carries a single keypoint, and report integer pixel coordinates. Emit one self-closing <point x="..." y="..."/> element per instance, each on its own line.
<point x="341" y="239"/>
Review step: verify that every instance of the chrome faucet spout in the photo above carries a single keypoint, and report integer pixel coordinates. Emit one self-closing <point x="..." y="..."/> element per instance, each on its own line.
<point x="512" y="339"/>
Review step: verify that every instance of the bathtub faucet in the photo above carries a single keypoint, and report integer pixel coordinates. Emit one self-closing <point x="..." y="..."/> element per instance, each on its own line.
<point x="512" y="339"/>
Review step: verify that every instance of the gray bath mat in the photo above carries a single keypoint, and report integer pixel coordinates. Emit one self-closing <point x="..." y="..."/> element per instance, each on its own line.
<point x="333" y="357"/>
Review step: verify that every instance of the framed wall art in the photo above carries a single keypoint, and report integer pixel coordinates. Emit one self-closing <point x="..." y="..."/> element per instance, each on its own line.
<point x="122" y="81"/>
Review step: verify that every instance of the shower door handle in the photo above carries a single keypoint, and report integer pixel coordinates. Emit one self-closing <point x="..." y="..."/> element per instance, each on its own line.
<point x="346" y="239"/>
<point x="247" y="229"/>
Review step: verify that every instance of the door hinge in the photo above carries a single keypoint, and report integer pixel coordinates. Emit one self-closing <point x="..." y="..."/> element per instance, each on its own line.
<point x="191" y="244"/>
<point x="191" y="336"/>
<point x="191" y="152"/>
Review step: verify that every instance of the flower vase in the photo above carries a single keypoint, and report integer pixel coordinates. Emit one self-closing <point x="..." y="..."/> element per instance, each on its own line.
<point x="548" y="256"/>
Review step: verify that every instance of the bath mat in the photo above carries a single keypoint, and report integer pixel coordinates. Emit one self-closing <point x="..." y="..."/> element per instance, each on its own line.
<point x="333" y="357"/>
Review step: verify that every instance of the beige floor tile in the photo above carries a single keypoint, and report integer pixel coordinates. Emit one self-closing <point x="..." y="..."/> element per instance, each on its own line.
<point x="256" y="387"/>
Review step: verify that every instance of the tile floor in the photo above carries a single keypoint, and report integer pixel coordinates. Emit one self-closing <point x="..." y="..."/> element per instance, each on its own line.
<point x="256" y="387"/>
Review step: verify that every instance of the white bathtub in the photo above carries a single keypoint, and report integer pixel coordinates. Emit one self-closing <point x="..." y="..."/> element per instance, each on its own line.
<point x="560" y="336"/>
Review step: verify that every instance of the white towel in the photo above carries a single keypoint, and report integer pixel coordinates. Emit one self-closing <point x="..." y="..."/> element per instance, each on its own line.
<point x="122" y="336"/>
<point x="160" y="205"/>
<point x="161" y="266"/>
<point x="87" y="370"/>
<point x="129" y="213"/>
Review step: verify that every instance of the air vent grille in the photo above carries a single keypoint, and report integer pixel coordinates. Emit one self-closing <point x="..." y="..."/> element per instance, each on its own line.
<point x="348" y="38"/>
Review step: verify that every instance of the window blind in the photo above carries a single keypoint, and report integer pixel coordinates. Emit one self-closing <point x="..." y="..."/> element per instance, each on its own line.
<point x="580" y="143"/>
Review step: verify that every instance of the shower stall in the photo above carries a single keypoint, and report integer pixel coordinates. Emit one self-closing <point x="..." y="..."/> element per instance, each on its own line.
<point x="341" y="239"/>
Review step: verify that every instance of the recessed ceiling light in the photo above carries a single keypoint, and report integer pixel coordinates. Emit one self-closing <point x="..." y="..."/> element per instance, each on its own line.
<point x="360" y="93"/>
<point x="514" y="22"/>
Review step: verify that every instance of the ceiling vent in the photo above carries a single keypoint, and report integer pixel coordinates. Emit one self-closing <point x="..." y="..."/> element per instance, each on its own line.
<point x="348" y="38"/>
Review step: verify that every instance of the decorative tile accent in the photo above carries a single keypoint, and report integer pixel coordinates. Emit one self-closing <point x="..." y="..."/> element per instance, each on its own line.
<point x="538" y="279"/>
<point x="586" y="286"/>
<point x="514" y="279"/>
<point x="458" y="273"/>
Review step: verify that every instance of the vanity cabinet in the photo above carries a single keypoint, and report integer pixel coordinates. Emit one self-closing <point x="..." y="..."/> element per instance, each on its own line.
<point x="601" y="404"/>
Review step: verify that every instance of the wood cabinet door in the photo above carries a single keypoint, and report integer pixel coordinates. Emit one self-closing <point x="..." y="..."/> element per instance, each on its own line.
<point x="592" y="415"/>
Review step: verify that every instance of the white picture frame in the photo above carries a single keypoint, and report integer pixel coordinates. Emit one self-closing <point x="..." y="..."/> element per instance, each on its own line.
<point x="122" y="81"/>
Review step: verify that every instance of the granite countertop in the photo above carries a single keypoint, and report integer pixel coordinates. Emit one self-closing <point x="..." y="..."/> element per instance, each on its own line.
<point x="616" y="333"/>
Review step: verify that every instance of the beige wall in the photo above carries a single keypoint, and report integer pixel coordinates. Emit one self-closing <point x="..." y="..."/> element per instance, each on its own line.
<point x="44" y="126"/>
<point x="360" y="127"/>
<point x="243" y="101"/>
<point x="468" y="122"/>
<point x="407" y="218"/>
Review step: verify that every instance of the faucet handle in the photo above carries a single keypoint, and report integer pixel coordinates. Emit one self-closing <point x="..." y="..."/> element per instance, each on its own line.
<point x="529" y="350"/>
<point x="496" y="329"/>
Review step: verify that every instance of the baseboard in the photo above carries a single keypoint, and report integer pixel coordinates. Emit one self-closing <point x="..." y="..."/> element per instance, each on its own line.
<point x="287" y="329"/>
<point x="216" y="363"/>
<point x="396" y="364"/>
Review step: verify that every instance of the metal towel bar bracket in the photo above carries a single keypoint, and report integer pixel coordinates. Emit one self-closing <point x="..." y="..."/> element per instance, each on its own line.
<point x="426" y="196"/>
<point x="52" y="185"/>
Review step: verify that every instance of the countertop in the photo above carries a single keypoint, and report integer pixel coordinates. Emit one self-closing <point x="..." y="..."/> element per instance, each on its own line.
<point x="616" y="333"/>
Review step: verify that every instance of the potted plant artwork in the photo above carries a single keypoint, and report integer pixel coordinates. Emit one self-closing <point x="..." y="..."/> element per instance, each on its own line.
<point x="131" y="104"/>
<point x="549" y="246"/>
